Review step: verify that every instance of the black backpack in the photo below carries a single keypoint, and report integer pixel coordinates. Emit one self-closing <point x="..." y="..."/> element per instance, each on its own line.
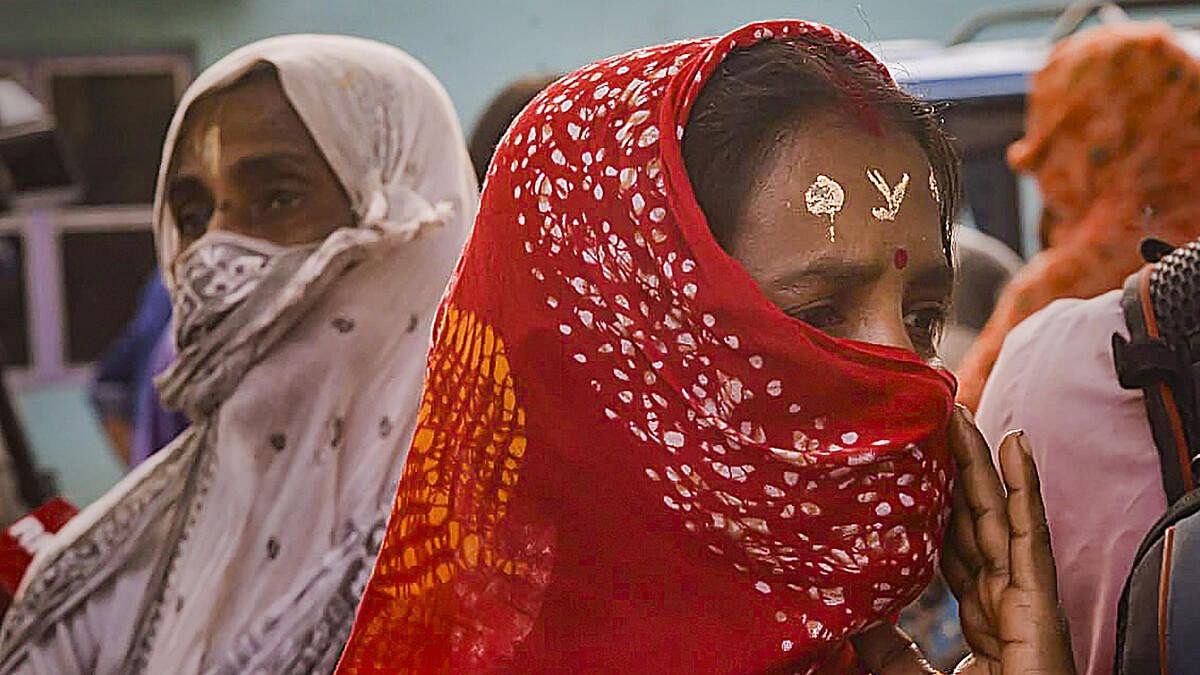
<point x="1158" y="620"/>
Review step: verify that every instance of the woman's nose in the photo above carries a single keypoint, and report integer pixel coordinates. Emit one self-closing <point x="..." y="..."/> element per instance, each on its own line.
<point x="224" y="218"/>
<point x="883" y="326"/>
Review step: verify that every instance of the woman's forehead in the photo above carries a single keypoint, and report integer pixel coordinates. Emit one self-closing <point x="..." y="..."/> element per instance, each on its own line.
<point x="250" y="116"/>
<point x="829" y="185"/>
<point x="828" y="142"/>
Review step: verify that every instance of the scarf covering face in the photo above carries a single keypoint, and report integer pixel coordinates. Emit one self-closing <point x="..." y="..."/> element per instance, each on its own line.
<point x="1113" y="138"/>
<point x="244" y="545"/>
<point x="627" y="460"/>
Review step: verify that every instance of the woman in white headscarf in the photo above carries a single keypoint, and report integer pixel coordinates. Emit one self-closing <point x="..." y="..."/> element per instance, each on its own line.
<point x="314" y="195"/>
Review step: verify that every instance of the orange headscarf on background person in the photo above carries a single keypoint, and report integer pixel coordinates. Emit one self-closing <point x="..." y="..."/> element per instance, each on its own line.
<point x="1113" y="138"/>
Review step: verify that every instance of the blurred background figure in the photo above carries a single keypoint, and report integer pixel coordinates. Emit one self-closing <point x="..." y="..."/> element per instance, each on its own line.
<point x="932" y="622"/>
<point x="123" y="391"/>
<point x="498" y="115"/>
<point x="985" y="265"/>
<point x="1113" y="139"/>
<point x="154" y="425"/>
<point x="6" y="188"/>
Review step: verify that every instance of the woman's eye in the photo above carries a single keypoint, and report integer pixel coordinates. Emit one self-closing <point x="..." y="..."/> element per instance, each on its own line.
<point x="923" y="324"/>
<point x="821" y="317"/>
<point x="282" y="199"/>
<point x="193" y="221"/>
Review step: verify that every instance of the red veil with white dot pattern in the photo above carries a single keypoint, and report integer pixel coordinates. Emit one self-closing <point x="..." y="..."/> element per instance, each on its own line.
<point x="627" y="459"/>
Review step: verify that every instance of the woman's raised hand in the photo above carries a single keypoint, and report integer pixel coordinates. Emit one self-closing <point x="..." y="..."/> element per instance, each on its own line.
<point x="998" y="563"/>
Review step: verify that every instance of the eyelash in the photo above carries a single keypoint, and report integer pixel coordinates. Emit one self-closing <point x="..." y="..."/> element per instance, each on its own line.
<point x="927" y="326"/>
<point x="923" y="321"/>
<point x="193" y="221"/>
<point x="821" y="317"/>
<point x="291" y="197"/>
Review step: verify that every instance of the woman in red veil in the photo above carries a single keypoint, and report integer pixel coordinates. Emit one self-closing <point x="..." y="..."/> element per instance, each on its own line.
<point x="682" y="412"/>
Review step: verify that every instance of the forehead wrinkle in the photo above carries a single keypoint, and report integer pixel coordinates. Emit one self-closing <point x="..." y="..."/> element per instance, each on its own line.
<point x="830" y="269"/>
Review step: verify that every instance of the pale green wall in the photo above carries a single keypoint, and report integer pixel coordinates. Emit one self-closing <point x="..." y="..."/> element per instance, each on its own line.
<point x="475" y="47"/>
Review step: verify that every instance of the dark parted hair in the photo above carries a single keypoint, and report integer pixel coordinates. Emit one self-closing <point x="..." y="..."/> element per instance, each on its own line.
<point x="759" y="91"/>
<point x="497" y="117"/>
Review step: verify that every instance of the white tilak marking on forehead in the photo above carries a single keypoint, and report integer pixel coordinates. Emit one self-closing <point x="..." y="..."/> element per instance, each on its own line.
<point x="892" y="195"/>
<point x="824" y="199"/>
<point x="210" y="149"/>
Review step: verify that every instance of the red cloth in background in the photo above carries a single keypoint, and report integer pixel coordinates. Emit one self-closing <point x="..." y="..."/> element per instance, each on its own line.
<point x="21" y="541"/>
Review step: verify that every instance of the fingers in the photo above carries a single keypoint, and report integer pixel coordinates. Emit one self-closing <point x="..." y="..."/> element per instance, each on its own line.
<point x="973" y="665"/>
<point x="983" y="491"/>
<point x="961" y="537"/>
<point x="958" y="576"/>
<point x="977" y="629"/>
<point x="1032" y="562"/>
<point x="1032" y="624"/>
<point x="886" y="650"/>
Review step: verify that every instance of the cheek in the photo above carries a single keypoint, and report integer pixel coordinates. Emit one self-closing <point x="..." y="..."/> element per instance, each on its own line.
<point x="332" y="206"/>
<point x="314" y="222"/>
<point x="307" y="231"/>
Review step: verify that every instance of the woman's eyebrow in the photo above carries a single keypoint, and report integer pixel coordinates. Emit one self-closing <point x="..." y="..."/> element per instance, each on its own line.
<point x="182" y="182"/>
<point x="258" y="166"/>
<point x="830" y="270"/>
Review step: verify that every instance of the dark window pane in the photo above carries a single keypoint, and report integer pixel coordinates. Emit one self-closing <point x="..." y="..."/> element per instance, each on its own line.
<point x="103" y="277"/>
<point x="982" y="130"/>
<point x="114" y="125"/>
<point x="14" y="316"/>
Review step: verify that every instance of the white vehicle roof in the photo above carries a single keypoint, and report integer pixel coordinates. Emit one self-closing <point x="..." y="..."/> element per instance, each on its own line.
<point x="975" y="69"/>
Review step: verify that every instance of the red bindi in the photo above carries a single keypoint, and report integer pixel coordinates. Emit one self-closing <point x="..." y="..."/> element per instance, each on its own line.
<point x="900" y="259"/>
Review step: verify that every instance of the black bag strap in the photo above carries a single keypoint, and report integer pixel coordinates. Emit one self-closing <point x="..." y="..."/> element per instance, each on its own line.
<point x="1145" y="361"/>
<point x="36" y="487"/>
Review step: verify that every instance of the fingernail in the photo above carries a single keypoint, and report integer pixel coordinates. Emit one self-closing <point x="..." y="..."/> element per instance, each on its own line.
<point x="1023" y="443"/>
<point x="1019" y="437"/>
